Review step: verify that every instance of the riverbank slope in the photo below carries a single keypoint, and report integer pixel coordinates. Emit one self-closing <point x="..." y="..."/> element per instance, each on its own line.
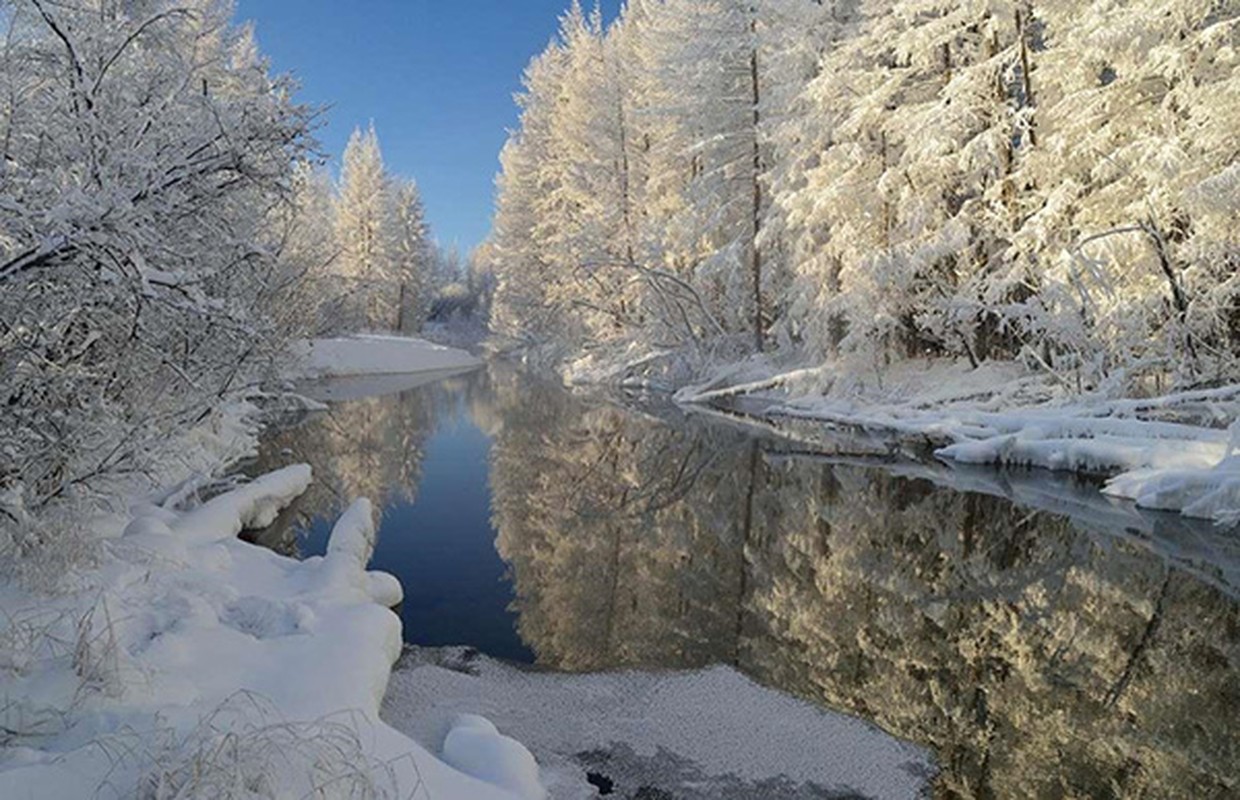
<point x="153" y="653"/>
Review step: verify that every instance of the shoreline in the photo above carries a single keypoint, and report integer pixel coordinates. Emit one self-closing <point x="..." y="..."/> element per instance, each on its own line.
<point x="1164" y="453"/>
<point x="180" y="638"/>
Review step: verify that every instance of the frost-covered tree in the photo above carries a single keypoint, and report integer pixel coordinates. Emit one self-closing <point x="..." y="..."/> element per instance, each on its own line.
<point x="525" y="311"/>
<point x="645" y="201"/>
<point x="315" y="297"/>
<point x="1134" y="198"/>
<point x="362" y="229"/>
<point x="145" y="148"/>
<point x="586" y="225"/>
<point x="412" y="255"/>
<point x="386" y="263"/>
<point x="1041" y="180"/>
<point x="923" y="102"/>
<point x="702" y="59"/>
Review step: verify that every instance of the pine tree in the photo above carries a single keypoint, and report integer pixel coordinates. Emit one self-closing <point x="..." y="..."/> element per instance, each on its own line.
<point x="412" y="255"/>
<point x="365" y="261"/>
<point x="524" y="310"/>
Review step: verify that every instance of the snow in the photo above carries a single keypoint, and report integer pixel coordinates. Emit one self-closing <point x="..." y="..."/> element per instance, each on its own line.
<point x="182" y="620"/>
<point x="1164" y="452"/>
<point x="178" y="660"/>
<point x="1205" y="493"/>
<point x="358" y="387"/>
<point x="373" y="354"/>
<point x="706" y="734"/>
<point x="475" y="747"/>
<point x="251" y="507"/>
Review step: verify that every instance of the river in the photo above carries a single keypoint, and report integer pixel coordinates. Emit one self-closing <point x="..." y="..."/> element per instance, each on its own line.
<point x="1040" y="639"/>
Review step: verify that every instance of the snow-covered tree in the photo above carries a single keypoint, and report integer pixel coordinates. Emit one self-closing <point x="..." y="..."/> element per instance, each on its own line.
<point x="586" y="221"/>
<point x="706" y="166"/>
<point x="1133" y="207"/>
<point x="922" y="102"/>
<point x="145" y="148"/>
<point x="412" y="255"/>
<point x="362" y="230"/>
<point x="315" y="298"/>
<point x="524" y="311"/>
<point x="1032" y="179"/>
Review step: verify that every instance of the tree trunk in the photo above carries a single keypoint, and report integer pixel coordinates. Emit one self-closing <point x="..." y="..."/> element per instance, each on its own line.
<point x="1026" y="79"/>
<point x="755" y="254"/>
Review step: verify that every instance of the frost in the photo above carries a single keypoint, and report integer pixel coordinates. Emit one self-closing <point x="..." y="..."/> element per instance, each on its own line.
<point x="706" y="734"/>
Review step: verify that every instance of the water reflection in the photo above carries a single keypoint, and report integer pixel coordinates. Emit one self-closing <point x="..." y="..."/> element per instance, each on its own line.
<point x="369" y="443"/>
<point x="1038" y="656"/>
<point x="1057" y="646"/>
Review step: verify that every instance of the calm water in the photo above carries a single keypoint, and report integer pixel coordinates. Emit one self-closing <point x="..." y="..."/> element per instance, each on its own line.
<point x="1042" y="640"/>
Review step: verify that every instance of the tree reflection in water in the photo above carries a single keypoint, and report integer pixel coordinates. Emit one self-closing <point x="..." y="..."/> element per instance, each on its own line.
<point x="1038" y="655"/>
<point x="369" y="447"/>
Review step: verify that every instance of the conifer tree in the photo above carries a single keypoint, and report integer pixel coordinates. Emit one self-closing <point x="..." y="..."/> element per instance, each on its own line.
<point x="362" y="231"/>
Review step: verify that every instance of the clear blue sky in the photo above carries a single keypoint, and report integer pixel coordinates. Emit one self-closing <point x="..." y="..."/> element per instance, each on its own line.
<point x="436" y="76"/>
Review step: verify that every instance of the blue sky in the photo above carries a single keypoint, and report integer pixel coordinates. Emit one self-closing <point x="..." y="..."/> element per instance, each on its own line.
<point x="436" y="76"/>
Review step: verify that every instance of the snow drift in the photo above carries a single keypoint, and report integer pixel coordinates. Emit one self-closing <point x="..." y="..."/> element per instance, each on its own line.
<point x="198" y="665"/>
<point x="376" y="355"/>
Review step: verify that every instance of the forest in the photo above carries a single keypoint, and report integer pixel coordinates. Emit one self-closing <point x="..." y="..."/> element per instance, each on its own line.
<point x="782" y="302"/>
<point x="862" y="183"/>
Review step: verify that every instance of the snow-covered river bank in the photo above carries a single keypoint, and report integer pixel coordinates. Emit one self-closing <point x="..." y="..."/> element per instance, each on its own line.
<point x="1032" y="634"/>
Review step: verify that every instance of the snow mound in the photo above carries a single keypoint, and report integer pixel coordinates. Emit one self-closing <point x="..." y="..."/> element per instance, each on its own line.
<point x="475" y="747"/>
<point x="695" y="736"/>
<point x="194" y="664"/>
<point x="1211" y="493"/>
<point x="376" y="355"/>
<point x="252" y="506"/>
<point x="353" y="536"/>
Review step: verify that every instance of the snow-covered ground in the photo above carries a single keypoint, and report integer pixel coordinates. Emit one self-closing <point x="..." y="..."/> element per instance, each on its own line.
<point x="1170" y="452"/>
<point x="707" y="735"/>
<point x="171" y="659"/>
<point x="192" y="664"/>
<point x="374" y="354"/>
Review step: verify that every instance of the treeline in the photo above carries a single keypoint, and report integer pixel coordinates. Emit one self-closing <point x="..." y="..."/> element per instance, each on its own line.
<point x="366" y="244"/>
<point x="1046" y="180"/>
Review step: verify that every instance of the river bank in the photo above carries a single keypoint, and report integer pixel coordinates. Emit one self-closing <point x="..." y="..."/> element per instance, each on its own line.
<point x="1164" y="451"/>
<point x="168" y="658"/>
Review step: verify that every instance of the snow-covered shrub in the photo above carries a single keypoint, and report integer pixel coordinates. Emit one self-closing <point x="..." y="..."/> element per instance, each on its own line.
<point x="146" y="151"/>
<point x="244" y="750"/>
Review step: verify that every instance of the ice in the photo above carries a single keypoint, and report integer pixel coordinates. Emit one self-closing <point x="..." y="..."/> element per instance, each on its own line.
<point x="694" y="735"/>
<point x="1164" y="452"/>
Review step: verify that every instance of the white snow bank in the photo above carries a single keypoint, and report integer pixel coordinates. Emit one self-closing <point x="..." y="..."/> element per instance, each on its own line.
<point x="1165" y="452"/>
<point x="353" y="535"/>
<point x="1205" y="493"/>
<point x="475" y="747"/>
<point x="361" y="387"/>
<point x="706" y="734"/>
<point x="199" y="666"/>
<point x="1160" y="466"/>
<point x="252" y="506"/>
<point x="376" y="355"/>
